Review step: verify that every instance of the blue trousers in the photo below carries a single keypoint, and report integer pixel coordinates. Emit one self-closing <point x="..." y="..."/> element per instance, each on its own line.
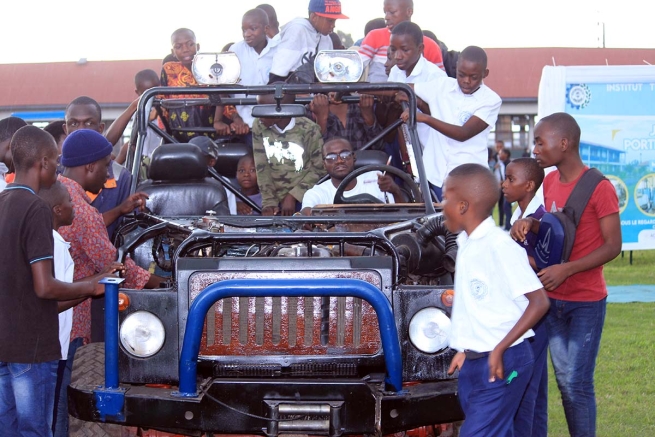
<point x="490" y="407"/>
<point x="27" y="395"/>
<point x="574" y="330"/>
<point x="532" y="417"/>
<point x="64" y="372"/>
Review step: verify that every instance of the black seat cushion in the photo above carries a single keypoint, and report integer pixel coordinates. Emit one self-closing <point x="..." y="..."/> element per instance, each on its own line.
<point x="178" y="185"/>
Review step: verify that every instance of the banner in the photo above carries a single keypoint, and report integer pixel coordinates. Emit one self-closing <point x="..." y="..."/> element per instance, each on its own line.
<point x="615" y="108"/>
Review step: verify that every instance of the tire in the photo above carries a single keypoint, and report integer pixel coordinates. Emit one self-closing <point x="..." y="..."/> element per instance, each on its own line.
<point x="89" y="370"/>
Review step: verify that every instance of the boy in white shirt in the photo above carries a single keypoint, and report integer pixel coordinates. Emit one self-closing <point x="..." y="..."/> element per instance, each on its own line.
<point x="406" y="49"/>
<point x="63" y="213"/>
<point x="498" y="299"/>
<point x="462" y="112"/>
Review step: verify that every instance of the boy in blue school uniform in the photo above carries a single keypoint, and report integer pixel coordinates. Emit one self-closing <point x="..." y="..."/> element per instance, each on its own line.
<point x="523" y="178"/>
<point x="495" y="306"/>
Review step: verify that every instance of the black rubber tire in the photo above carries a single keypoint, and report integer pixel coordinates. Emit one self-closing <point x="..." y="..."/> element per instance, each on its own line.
<point x="89" y="370"/>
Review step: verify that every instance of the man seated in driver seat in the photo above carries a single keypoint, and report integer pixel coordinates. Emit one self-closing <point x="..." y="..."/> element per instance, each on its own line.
<point x="339" y="161"/>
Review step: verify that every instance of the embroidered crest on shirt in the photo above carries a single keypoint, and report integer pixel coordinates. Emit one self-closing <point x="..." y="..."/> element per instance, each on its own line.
<point x="282" y="150"/>
<point x="479" y="289"/>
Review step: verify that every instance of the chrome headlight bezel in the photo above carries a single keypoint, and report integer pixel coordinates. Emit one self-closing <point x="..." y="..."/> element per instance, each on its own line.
<point x="142" y="334"/>
<point x="429" y="330"/>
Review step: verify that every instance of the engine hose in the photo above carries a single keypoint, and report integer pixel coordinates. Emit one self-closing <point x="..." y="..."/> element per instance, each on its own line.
<point x="433" y="228"/>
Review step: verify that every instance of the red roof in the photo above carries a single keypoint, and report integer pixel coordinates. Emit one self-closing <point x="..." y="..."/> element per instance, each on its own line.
<point x="514" y="74"/>
<point x="56" y="84"/>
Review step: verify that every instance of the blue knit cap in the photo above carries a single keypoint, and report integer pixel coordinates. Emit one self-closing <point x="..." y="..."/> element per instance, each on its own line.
<point x="84" y="147"/>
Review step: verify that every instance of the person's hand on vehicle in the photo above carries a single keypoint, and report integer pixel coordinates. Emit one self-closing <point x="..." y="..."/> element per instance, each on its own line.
<point x="238" y="127"/>
<point x="386" y="183"/>
<point x="113" y="268"/>
<point x="136" y="200"/>
<point x="243" y="209"/>
<point x="270" y="210"/>
<point x="401" y="97"/>
<point x="320" y="105"/>
<point x="288" y="205"/>
<point x="366" y="102"/>
<point x="222" y="128"/>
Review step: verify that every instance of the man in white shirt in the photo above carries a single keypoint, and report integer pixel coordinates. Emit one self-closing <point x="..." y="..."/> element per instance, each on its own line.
<point x="339" y="161"/>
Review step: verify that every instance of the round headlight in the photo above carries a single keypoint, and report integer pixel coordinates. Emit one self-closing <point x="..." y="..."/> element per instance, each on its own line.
<point x="429" y="330"/>
<point x="142" y="334"/>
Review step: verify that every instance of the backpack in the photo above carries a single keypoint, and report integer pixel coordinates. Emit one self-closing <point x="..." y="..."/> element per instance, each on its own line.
<point x="557" y="229"/>
<point x="305" y="74"/>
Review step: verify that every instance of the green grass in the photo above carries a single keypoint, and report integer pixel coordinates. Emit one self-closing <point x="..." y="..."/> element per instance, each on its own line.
<point x="642" y="271"/>
<point x="625" y="375"/>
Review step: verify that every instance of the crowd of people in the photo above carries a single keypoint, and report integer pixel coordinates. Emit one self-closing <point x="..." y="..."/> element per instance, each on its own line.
<point x="66" y="192"/>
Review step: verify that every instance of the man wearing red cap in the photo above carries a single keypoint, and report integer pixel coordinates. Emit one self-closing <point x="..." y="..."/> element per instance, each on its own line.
<point x="302" y="38"/>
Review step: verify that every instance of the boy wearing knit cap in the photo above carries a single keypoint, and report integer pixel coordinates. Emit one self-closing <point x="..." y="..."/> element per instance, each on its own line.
<point x="86" y="156"/>
<point x="114" y="199"/>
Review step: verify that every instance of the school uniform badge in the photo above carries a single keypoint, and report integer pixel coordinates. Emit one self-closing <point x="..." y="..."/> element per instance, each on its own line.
<point x="479" y="289"/>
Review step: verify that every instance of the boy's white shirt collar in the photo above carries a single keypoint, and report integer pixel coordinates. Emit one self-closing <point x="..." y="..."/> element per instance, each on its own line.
<point x="56" y="235"/>
<point x="288" y="127"/>
<point x="418" y="68"/>
<point x="535" y="203"/>
<point x="483" y="229"/>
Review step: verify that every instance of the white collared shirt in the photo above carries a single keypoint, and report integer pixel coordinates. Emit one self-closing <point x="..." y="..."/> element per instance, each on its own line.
<point x="323" y="194"/>
<point x="423" y="71"/>
<point x="493" y="275"/>
<point x="288" y="127"/>
<point x="255" y="68"/>
<point x="64" y="269"/>
<point x="449" y="104"/>
<point x="535" y="203"/>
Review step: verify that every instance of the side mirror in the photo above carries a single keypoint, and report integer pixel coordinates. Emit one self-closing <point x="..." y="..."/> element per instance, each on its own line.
<point x="279" y="111"/>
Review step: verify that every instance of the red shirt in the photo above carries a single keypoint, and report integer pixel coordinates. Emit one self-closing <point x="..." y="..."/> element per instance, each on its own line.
<point x="92" y="252"/>
<point x="587" y="286"/>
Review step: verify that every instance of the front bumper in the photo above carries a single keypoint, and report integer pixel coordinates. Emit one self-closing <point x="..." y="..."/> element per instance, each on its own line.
<point x="325" y="407"/>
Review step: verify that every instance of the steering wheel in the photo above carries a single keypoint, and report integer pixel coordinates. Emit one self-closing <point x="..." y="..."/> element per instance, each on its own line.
<point x="366" y="198"/>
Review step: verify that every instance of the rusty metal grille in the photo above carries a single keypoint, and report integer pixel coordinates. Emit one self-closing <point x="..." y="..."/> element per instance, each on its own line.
<point x="249" y="326"/>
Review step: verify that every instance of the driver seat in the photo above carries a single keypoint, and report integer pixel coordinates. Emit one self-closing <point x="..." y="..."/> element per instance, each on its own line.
<point x="178" y="183"/>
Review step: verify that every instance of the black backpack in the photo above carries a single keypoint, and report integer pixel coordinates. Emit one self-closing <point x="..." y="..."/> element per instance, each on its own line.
<point x="557" y="229"/>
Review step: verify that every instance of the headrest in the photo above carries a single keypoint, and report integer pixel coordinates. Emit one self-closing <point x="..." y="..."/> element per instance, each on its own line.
<point x="229" y="154"/>
<point x="177" y="162"/>
<point x="370" y="157"/>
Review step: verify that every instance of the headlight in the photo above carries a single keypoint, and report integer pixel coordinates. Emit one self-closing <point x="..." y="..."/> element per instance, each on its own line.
<point x="142" y="334"/>
<point x="216" y="68"/>
<point x="338" y="66"/>
<point x="429" y="330"/>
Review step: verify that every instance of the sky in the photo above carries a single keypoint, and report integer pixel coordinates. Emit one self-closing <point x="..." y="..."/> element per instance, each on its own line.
<point x="68" y="30"/>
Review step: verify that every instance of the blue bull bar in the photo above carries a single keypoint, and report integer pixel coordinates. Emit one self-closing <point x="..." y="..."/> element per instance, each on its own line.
<point x="289" y="288"/>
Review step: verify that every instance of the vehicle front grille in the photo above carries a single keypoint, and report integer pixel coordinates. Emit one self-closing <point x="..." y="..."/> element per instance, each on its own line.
<point x="250" y="326"/>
